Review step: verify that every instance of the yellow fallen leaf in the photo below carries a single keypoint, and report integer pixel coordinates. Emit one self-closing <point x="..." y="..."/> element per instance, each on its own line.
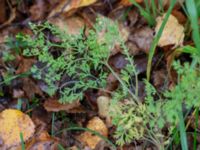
<point x="67" y="5"/>
<point x="86" y="2"/>
<point x="13" y="122"/>
<point x="173" y="33"/>
<point x="90" y="139"/>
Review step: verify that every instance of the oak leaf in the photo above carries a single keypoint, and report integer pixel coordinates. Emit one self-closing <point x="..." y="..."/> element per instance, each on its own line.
<point x="13" y="123"/>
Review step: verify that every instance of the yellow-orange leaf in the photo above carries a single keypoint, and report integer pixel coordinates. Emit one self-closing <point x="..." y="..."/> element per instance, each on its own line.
<point x="173" y="33"/>
<point x="90" y="139"/>
<point x="12" y="123"/>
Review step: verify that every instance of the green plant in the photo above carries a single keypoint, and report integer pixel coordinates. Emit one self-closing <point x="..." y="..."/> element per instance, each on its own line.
<point x="156" y="113"/>
<point x="80" y="60"/>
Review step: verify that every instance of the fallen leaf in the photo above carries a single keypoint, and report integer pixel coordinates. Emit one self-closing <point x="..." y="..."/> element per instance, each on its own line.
<point x="71" y="25"/>
<point x="3" y="11"/>
<point x="103" y="106"/>
<point x="30" y="87"/>
<point x="173" y="33"/>
<point x="143" y="38"/>
<point x="25" y="64"/>
<point x="118" y="61"/>
<point x="11" y="18"/>
<point x="159" y="78"/>
<point x="42" y="142"/>
<point x="128" y="2"/>
<point x="89" y="138"/>
<point x="54" y="106"/>
<point x="103" y="103"/>
<point x="38" y="10"/>
<point x="13" y="122"/>
<point x="67" y="5"/>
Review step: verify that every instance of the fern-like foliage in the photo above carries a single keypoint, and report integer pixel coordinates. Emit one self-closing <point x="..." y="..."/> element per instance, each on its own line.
<point x="77" y="60"/>
<point x="137" y="121"/>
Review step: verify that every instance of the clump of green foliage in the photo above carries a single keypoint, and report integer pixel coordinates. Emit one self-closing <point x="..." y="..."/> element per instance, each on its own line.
<point x="146" y="121"/>
<point x="78" y="59"/>
<point x="82" y="62"/>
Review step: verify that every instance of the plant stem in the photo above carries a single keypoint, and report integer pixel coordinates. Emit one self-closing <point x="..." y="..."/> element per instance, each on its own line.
<point x="121" y="82"/>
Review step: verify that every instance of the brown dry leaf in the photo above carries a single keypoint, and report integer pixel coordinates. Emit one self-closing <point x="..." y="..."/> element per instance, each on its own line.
<point x="13" y="122"/>
<point x="71" y="25"/>
<point x="38" y="10"/>
<point x="173" y="33"/>
<point x="30" y="87"/>
<point x="11" y="18"/>
<point x="128" y="2"/>
<point x="25" y="64"/>
<point x="143" y="38"/>
<point x="3" y="11"/>
<point x="103" y="106"/>
<point x="90" y="139"/>
<point x="54" y="106"/>
<point x="42" y="142"/>
<point x="67" y="5"/>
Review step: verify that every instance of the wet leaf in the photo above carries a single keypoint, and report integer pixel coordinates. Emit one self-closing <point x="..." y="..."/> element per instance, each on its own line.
<point x="103" y="106"/>
<point x="90" y="139"/>
<point x="3" y="11"/>
<point x="38" y="10"/>
<point x="143" y="38"/>
<point x="128" y="2"/>
<point x="42" y="142"/>
<point x="13" y="122"/>
<point x="54" y="106"/>
<point x="67" y="5"/>
<point x="173" y="33"/>
<point x="71" y="25"/>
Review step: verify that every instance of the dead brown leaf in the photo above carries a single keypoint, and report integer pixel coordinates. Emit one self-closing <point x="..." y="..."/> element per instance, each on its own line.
<point x="173" y="33"/>
<point x="90" y="139"/>
<point x="54" y="106"/>
<point x="25" y="64"/>
<point x="128" y="2"/>
<point x="2" y="11"/>
<point x="71" y="25"/>
<point x="11" y="18"/>
<point x="42" y="142"/>
<point x="30" y="88"/>
<point x="67" y="5"/>
<point x="13" y="122"/>
<point x="38" y="10"/>
<point x="143" y="38"/>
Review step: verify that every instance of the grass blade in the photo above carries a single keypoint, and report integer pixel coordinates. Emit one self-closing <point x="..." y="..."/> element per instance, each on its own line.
<point x="22" y="141"/>
<point x="144" y="13"/>
<point x="183" y="136"/>
<point x="89" y="130"/>
<point x="193" y="16"/>
<point x="195" y="131"/>
<point x="157" y="37"/>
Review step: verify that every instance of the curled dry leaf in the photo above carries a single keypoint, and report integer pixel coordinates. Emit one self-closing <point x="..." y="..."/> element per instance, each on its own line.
<point x="13" y="122"/>
<point x="173" y="33"/>
<point x="89" y="138"/>
<point x="38" y="10"/>
<point x="71" y="25"/>
<point x="55" y="106"/>
<point x="67" y="5"/>
<point x="143" y="38"/>
<point x="103" y="106"/>
<point x="42" y="142"/>
<point x="128" y="2"/>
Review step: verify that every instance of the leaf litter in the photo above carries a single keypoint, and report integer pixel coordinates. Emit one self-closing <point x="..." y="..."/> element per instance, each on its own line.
<point x="93" y="111"/>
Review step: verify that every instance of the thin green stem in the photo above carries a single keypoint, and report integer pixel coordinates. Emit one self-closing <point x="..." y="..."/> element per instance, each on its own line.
<point x="122" y="83"/>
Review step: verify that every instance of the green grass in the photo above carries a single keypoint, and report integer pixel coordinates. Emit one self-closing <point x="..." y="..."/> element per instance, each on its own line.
<point x="157" y="37"/>
<point x="88" y="130"/>
<point x="182" y="130"/>
<point x="22" y="141"/>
